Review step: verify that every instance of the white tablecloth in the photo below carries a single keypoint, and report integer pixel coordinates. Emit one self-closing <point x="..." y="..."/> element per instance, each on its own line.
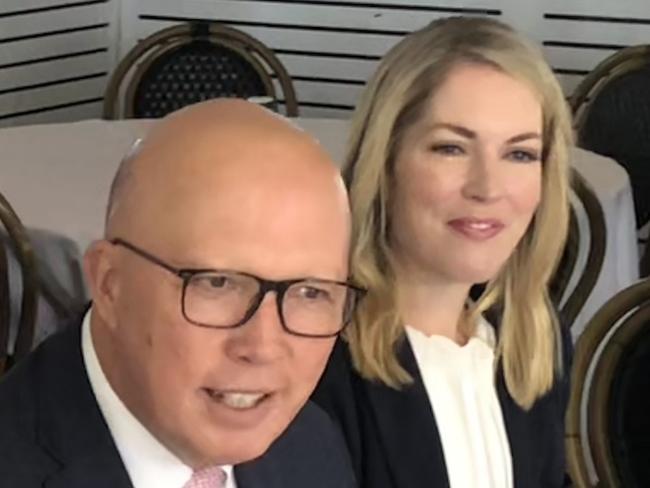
<point x="57" y="177"/>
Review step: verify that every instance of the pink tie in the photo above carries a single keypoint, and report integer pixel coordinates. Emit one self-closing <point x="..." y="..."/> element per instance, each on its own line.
<point x="214" y="477"/>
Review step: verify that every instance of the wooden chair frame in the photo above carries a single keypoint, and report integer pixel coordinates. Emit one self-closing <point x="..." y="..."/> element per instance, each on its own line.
<point x="629" y="309"/>
<point x="611" y="68"/>
<point x="618" y="64"/>
<point x="27" y="260"/>
<point x="597" y="248"/>
<point x="5" y="303"/>
<point x="146" y="51"/>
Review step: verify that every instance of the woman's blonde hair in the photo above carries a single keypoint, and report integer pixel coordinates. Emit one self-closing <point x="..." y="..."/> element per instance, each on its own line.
<point x="395" y="98"/>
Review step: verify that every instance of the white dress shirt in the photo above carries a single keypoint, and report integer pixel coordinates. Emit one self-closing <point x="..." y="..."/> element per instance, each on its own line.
<point x="148" y="463"/>
<point x="459" y="381"/>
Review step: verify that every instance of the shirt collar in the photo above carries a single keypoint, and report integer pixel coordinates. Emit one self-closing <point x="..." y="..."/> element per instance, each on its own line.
<point x="146" y="460"/>
<point x="484" y="331"/>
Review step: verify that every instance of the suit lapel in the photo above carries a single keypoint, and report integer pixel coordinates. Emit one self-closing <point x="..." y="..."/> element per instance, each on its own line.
<point x="259" y="475"/>
<point x="70" y="426"/>
<point x="94" y="470"/>
<point x="408" y="430"/>
<point x="286" y="462"/>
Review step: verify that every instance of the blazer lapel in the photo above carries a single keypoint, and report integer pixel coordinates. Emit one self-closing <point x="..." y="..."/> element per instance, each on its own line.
<point x="70" y="426"/>
<point x="408" y="430"/>
<point x="519" y="436"/>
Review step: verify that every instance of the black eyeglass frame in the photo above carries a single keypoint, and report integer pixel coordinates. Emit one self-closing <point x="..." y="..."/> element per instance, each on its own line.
<point x="280" y="287"/>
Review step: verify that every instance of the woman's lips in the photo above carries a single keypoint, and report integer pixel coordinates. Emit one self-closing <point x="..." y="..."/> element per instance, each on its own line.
<point x="476" y="229"/>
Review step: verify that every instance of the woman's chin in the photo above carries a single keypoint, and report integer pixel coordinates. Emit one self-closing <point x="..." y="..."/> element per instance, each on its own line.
<point x="473" y="275"/>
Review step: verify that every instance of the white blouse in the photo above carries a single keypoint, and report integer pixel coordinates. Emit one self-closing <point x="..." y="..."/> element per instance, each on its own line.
<point x="459" y="381"/>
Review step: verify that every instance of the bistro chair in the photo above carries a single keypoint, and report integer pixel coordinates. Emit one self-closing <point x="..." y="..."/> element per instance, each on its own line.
<point x="19" y="243"/>
<point x="41" y="286"/>
<point x="612" y="434"/>
<point x="572" y="300"/>
<point x="189" y="63"/>
<point x="612" y="117"/>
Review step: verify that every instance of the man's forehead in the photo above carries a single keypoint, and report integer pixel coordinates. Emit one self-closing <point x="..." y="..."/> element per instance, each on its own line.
<point x="189" y="159"/>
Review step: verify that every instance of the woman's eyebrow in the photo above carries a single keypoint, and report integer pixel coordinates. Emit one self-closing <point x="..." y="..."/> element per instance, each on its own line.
<point x="524" y="137"/>
<point x="470" y="134"/>
<point x="458" y="129"/>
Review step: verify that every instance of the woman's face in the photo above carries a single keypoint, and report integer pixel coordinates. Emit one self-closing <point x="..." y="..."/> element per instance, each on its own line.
<point x="468" y="176"/>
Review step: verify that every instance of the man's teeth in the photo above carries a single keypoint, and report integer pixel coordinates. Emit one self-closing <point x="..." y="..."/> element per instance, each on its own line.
<point x="239" y="400"/>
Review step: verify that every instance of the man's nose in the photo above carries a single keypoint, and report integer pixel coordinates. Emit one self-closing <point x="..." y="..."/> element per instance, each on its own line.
<point x="262" y="339"/>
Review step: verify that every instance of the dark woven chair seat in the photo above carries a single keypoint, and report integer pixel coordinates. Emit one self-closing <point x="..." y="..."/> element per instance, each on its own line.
<point x="629" y="405"/>
<point x="608" y="408"/>
<point x="192" y="73"/>
<point x="618" y="125"/>
<point x="188" y="63"/>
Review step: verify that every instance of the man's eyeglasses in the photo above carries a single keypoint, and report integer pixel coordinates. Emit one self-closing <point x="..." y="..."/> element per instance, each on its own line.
<point x="225" y="299"/>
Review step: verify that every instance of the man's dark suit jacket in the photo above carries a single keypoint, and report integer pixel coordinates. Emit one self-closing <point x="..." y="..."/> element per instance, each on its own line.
<point x="53" y="435"/>
<point x="393" y="438"/>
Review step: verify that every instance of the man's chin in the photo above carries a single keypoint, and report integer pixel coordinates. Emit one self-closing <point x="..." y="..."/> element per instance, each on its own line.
<point x="240" y="453"/>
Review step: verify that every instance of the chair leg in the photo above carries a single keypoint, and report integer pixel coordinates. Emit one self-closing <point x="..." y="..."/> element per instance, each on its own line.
<point x="5" y="303"/>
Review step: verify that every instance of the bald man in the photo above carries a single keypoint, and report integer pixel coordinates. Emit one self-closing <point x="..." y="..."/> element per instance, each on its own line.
<point x="217" y="294"/>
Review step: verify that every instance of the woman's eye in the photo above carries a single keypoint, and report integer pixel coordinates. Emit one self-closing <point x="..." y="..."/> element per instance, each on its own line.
<point x="447" y="149"/>
<point x="523" y="156"/>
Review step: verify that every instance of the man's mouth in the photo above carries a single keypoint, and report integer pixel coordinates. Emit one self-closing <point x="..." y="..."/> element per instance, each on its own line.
<point x="238" y="400"/>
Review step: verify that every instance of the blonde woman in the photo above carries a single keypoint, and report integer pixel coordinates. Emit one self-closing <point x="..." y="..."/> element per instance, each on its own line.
<point x="457" y="169"/>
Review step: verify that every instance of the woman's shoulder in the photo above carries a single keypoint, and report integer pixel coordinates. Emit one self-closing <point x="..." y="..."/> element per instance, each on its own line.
<point x="339" y="371"/>
<point x="339" y="392"/>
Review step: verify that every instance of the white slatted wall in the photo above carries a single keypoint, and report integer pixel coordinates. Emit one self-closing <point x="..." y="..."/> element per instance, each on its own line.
<point x="55" y="57"/>
<point x="578" y="34"/>
<point x="329" y="47"/>
<point x="55" y="54"/>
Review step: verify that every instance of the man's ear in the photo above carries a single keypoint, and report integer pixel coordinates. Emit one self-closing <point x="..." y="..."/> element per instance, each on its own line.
<point x="101" y="275"/>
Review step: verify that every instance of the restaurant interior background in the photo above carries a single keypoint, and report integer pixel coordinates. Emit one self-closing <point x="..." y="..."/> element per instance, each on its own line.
<point x="57" y="56"/>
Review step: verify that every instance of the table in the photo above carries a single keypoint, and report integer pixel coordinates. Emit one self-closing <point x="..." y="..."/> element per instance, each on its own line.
<point x="57" y="177"/>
